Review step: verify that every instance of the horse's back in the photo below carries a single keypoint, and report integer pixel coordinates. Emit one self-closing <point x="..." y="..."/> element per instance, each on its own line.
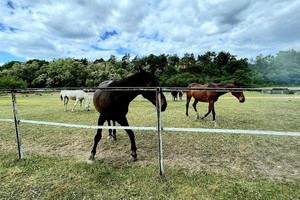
<point x="198" y="95"/>
<point x="197" y="85"/>
<point x="73" y="94"/>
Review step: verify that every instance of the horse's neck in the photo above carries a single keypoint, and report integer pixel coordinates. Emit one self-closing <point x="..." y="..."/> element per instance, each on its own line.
<point x="126" y="82"/>
<point x="130" y="81"/>
<point x="223" y="86"/>
<point x="128" y="95"/>
<point x="86" y="97"/>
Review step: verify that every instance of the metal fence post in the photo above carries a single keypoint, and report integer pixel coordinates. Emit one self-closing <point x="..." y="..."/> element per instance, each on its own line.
<point x="159" y="130"/>
<point x="15" y="111"/>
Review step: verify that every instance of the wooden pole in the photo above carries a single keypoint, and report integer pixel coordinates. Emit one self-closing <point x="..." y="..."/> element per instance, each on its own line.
<point x="15" y="111"/>
<point x="159" y="129"/>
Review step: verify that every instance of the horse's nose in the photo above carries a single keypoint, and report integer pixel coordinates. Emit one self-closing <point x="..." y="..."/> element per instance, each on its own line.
<point x="242" y="100"/>
<point x="163" y="107"/>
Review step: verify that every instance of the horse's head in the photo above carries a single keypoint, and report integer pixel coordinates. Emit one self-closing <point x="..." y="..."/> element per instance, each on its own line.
<point x="87" y="105"/>
<point x="239" y="95"/>
<point x="149" y="80"/>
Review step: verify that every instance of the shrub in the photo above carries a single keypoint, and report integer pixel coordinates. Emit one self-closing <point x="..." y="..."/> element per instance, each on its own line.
<point x="10" y="82"/>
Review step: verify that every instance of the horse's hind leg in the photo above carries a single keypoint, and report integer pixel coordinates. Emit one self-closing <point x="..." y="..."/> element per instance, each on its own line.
<point x="188" y="99"/>
<point x="195" y="108"/>
<point x="74" y="105"/>
<point x="97" y="138"/>
<point x="123" y="122"/>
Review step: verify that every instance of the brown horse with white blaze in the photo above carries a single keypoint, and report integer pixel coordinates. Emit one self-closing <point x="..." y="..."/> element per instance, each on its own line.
<point x="210" y="96"/>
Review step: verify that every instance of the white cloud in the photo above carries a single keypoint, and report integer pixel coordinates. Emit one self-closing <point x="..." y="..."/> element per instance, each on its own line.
<point x="97" y="29"/>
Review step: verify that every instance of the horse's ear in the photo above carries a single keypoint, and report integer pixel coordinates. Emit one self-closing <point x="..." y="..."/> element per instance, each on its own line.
<point x="153" y="71"/>
<point x="237" y="84"/>
<point x="141" y="69"/>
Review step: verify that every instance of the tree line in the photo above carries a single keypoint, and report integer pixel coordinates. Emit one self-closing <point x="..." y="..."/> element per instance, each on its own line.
<point x="282" y="69"/>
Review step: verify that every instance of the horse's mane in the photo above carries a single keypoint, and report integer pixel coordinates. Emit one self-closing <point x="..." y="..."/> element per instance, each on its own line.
<point x="130" y="80"/>
<point x="222" y="84"/>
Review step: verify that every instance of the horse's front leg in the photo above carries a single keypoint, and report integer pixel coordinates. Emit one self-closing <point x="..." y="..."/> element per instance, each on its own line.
<point x="65" y="99"/>
<point x="195" y="108"/>
<point x="74" y="105"/>
<point x="124" y="122"/>
<point x="110" y="136"/>
<point x="214" y="115"/>
<point x="80" y="104"/>
<point x="97" y="138"/>
<point x="112" y="132"/>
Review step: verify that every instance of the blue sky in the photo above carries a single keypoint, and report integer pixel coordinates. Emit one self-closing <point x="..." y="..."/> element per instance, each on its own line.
<point x="33" y="29"/>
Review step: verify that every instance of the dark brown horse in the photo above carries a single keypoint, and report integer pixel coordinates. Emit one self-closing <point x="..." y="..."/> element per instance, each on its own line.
<point x="113" y="105"/>
<point x="174" y="95"/>
<point x="210" y="96"/>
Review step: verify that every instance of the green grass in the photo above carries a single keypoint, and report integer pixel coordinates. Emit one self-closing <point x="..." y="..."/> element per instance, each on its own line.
<point x="52" y="177"/>
<point x="197" y="165"/>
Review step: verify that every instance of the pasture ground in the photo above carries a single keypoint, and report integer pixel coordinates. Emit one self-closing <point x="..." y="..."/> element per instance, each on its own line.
<point x="197" y="165"/>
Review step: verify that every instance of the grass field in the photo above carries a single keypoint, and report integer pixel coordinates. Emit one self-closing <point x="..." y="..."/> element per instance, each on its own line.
<point x="197" y="165"/>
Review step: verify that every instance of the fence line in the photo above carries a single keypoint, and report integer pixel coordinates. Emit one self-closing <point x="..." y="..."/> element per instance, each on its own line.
<point x="203" y="130"/>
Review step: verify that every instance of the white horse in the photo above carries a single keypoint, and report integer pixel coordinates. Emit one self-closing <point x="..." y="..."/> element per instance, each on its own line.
<point x="77" y="95"/>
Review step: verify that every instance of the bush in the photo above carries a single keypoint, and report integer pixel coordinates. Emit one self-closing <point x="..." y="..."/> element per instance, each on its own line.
<point x="181" y="80"/>
<point x="10" y="82"/>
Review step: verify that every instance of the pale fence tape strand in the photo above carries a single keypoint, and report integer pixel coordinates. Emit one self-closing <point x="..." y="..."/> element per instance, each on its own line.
<point x="257" y="132"/>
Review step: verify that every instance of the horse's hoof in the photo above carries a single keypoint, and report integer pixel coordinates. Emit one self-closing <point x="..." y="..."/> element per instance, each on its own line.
<point x="109" y="137"/>
<point x="215" y="123"/>
<point x="134" y="156"/>
<point x="92" y="157"/>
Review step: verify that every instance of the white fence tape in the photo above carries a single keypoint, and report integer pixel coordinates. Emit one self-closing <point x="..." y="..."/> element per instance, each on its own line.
<point x="204" y="130"/>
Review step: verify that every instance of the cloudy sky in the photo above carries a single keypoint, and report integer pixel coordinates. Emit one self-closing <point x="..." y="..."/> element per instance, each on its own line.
<point x="96" y="29"/>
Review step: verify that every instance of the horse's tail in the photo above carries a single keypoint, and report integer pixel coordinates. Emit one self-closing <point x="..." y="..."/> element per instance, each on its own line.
<point x="61" y="97"/>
